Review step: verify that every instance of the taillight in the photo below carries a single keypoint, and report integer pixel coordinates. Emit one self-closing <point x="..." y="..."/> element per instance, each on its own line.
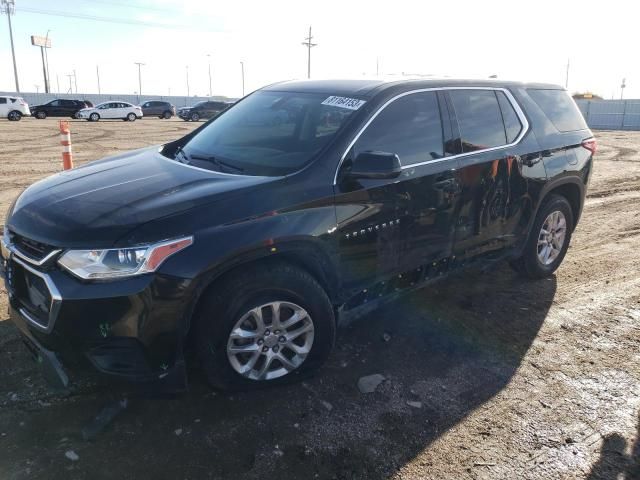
<point x="591" y="145"/>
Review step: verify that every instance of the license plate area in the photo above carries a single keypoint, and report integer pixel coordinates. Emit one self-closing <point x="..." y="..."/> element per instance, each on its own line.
<point x="31" y="293"/>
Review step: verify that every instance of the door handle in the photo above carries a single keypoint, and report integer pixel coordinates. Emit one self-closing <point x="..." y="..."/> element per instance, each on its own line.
<point x="530" y="160"/>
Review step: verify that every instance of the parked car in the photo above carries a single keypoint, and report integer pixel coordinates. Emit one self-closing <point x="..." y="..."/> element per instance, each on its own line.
<point x="251" y="242"/>
<point x="59" y="107"/>
<point x="202" y="110"/>
<point x="158" y="108"/>
<point x="110" y="110"/>
<point x="13" y="108"/>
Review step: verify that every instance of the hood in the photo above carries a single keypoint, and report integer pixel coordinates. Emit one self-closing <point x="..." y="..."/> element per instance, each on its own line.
<point x="95" y="205"/>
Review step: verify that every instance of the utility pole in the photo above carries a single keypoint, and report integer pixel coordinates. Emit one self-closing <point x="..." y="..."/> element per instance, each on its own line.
<point x="98" y="75"/>
<point x="622" y="87"/>
<point x="566" y="81"/>
<point x="210" y="91"/>
<point x="140" y="64"/>
<point x="309" y="46"/>
<point x="9" y="7"/>
<point x="242" y="70"/>
<point x="187" y="81"/>
<point x="44" y="71"/>
<point x="58" y="82"/>
<point x="75" y="80"/>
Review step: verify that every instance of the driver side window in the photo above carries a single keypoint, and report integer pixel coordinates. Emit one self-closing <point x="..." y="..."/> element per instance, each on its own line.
<point x="410" y="127"/>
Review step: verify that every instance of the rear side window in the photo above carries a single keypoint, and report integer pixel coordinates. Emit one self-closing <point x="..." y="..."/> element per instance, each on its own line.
<point x="410" y="127"/>
<point x="479" y="119"/>
<point x="3" y="100"/>
<point x="559" y="108"/>
<point x="512" y="125"/>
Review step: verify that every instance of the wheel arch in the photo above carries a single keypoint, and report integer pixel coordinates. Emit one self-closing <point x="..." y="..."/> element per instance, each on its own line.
<point x="303" y="255"/>
<point x="571" y="189"/>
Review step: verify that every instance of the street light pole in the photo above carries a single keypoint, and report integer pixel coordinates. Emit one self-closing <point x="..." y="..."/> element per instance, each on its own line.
<point x="242" y="68"/>
<point x="8" y="7"/>
<point x="210" y="91"/>
<point x="187" y="81"/>
<point x="46" y="60"/>
<point x="140" y="64"/>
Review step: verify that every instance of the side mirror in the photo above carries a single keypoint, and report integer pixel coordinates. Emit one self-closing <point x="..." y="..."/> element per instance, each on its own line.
<point x="376" y="165"/>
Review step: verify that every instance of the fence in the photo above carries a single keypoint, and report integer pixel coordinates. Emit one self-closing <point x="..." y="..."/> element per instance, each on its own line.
<point x="39" y="98"/>
<point x="611" y="114"/>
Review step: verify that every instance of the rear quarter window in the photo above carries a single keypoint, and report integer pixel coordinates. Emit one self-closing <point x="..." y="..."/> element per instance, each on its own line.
<point x="559" y="108"/>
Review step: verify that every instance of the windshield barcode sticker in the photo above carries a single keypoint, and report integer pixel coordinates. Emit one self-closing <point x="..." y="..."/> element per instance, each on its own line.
<point x="344" y="102"/>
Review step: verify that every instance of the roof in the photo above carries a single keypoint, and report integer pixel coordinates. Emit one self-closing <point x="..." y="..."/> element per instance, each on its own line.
<point x="370" y="87"/>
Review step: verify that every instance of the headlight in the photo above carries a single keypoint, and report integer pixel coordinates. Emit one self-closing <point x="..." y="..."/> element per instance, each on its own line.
<point x="120" y="262"/>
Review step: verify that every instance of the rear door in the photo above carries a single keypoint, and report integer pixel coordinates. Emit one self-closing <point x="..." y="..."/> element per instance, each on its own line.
<point x="494" y="192"/>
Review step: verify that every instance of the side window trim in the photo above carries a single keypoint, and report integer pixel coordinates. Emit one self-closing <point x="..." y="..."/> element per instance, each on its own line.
<point x="519" y="112"/>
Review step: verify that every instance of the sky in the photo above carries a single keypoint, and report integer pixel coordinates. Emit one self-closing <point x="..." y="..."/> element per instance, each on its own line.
<point x="515" y="40"/>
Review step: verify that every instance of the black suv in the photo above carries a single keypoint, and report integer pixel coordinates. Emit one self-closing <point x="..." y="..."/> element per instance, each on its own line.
<point x="157" y="108"/>
<point x="202" y="110"/>
<point x="303" y="205"/>
<point x="58" y="108"/>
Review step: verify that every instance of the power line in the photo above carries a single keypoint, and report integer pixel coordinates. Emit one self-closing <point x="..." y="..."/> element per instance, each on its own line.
<point x="131" y="5"/>
<point x="124" y="21"/>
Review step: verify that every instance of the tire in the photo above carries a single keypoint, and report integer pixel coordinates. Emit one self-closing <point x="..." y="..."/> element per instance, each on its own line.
<point x="530" y="264"/>
<point x="166" y="115"/>
<point x="227" y="303"/>
<point x="195" y="117"/>
<point x="40" y="115"/>
<point x="131" y="117"/>
<point x="14" y="116"/>
<point x="94" y="117"/>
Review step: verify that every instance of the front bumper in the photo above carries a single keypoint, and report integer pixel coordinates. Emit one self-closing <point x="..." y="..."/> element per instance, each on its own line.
<point x="132" y="329"/>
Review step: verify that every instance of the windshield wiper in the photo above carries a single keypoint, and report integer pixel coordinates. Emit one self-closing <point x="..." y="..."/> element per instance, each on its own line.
<point x="220" y="163"/>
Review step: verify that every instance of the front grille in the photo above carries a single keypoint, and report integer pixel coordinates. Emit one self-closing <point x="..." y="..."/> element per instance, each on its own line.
<point x="30" y="248"/>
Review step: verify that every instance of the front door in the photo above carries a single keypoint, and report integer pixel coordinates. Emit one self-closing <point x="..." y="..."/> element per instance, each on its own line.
<point x="390" y="230"/>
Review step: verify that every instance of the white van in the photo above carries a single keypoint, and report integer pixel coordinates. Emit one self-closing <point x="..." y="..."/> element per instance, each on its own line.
<point x="13" y="108"/>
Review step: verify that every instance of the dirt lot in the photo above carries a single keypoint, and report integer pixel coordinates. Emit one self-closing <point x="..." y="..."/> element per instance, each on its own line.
<point x="516" y="379"/>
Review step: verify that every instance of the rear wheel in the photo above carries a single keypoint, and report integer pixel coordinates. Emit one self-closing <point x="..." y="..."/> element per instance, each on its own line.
<point x="264" y="326"/>
<point x="94" y="117"/>
<point x="40" y="115"/>
<point x="14" y="116"/>
<point x="166" y="115"/>
<point x="548" y="240"/>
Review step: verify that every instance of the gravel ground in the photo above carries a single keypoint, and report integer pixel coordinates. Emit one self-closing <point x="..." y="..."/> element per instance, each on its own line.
<point x="487" y="375"/>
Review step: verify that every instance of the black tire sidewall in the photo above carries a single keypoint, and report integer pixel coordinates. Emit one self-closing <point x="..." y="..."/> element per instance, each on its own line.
<point x="530" y="258"/>
<point x="222" y="310"/>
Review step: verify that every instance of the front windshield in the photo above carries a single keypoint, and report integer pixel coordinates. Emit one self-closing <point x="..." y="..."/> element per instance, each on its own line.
<point x="268" y="133"/>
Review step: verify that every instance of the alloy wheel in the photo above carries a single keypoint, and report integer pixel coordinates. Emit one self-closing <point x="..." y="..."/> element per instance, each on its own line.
<point x="552" y="237"/>
<point x="270" y="341"/>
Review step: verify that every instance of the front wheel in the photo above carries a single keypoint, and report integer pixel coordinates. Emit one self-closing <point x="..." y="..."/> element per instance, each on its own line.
<point x="166" y="115"/>
<point x="195" y="117"/>
<point x="548" y="240"/>
<point x="94" y="117"/>
<point x="41" y="115"/>
<point x="264" y="326"/>
<point x="131" y="117"/>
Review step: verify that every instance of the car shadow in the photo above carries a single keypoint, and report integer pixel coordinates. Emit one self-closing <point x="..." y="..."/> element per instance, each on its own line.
<point x="447" y="349"/>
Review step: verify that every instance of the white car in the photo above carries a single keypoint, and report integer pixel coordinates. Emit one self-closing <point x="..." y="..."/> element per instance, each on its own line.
<point x="13" y="108"/>
<point x="122" y="110"/>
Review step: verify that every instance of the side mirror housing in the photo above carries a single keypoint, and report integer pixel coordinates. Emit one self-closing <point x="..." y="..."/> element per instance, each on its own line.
<point x="376" y="165"/>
